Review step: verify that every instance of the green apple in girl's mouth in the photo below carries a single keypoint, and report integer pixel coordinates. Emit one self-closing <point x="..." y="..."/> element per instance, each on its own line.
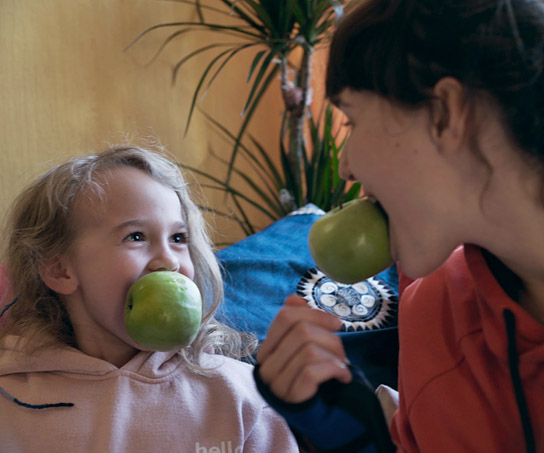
<point x="351" y="243"/>
<point x="163" y="311"/>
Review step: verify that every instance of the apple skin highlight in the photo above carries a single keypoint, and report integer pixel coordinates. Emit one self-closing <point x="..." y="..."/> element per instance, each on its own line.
<point x="351" y="243"/>
<point x="163" y="311"/>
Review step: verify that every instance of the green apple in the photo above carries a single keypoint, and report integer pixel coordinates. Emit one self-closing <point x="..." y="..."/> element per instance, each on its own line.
<point x="351" y="243"/>
<point x="163" y="311"/>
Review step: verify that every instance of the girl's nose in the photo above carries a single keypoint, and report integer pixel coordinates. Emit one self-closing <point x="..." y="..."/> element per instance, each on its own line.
<point x="344" y="170"/>
<point x="164" y="260"/>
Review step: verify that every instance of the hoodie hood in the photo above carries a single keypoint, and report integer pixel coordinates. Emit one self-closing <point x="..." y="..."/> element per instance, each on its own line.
<point x="65" y="359"/>
<point x="493" y="300"/>
<point x="64" y="400"/>
<point x="522" y="344"/>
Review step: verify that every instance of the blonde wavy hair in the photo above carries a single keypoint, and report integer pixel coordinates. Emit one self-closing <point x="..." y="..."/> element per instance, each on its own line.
<point x="40" y="226"/>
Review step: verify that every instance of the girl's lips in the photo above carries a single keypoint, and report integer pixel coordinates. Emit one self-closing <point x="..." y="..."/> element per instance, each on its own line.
<point x="382" y="210"/>
<point x="374" y="200"/>
<point x="392" y="250"/>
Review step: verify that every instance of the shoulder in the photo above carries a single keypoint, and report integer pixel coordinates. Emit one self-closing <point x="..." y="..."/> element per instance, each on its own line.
<point x="453" y="272"/>
<point x="232" y="383"/>
<point x="436" y="311"/>
<point x="221" y="365"/>
<point x="233" y="376"/>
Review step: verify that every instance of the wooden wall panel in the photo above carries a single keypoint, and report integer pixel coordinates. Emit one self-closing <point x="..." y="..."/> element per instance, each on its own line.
<point x="67" y="87"/>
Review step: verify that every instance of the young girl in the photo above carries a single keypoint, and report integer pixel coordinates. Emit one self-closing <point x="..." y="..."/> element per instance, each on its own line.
<point x="71" y="379"/>
<point x="445" y="100"/>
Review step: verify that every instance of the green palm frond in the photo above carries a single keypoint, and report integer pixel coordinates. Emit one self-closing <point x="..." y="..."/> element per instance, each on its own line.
<point x="323" y="185"/>
<point x="272" y="30"/>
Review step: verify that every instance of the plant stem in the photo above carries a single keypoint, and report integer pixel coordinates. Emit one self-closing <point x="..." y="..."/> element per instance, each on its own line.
<point x="297" y="115"/>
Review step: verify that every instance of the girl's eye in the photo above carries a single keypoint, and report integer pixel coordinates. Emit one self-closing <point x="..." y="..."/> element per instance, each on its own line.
<point x="180" y="238"/>
<point x="347" y="124"/>
<point x="135" y="237"/>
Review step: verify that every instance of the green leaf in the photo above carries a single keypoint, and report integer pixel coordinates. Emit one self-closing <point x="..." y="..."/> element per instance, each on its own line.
<point x="263" y="15"/>
<point x="281" y="26"/>
<point x="262" y="71"/>
<point x="251" y="229"/>
<point x="276" y="177"/>
<point x="231" y="190"/>
<point x="226" y="60"/>
<point x="198" y="7"/>
<point x="299" y="15"/>
<point x="272" y="173"/>
<point x="231" y="216"/>
<point x="254" y="64"/>
<point x="199" y="86"/>
<point x="212" y="27"/>
<point x="165" y="44"/>
<point x="273" y="201"/>
<point x="244" y="16"/>
<point x="248" y="116"/>
<point x="185" y="59"/>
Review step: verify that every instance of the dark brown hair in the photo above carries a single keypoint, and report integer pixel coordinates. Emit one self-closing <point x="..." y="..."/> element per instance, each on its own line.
<point x="399" y="49"/>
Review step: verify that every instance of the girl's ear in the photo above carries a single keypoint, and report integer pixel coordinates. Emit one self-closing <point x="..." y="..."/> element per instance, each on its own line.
<point x="449" y="114"/>
<point x="57" y="276"/>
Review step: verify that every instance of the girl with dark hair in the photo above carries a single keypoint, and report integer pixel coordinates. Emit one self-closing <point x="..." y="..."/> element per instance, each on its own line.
<point x="445" y="100"/>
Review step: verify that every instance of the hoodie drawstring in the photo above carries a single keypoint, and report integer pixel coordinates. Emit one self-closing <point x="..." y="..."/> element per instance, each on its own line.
<point x="8" y="306"/>
<point x="513" y="364"/>
<point x="15" y="400"/>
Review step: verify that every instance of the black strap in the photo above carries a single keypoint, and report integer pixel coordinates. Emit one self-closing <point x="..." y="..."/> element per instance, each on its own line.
<point x="513" y="363"/>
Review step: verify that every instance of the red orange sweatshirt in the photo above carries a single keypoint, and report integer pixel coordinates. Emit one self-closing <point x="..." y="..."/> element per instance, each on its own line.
<point x="458" y="383"/>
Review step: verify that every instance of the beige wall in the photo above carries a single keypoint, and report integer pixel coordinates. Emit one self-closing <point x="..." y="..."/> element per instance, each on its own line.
<point x="67" y="87"/>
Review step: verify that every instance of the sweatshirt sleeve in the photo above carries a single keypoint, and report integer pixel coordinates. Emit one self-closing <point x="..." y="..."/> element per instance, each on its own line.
<point x="271" y="434"/>
<point x="339" y="418"/>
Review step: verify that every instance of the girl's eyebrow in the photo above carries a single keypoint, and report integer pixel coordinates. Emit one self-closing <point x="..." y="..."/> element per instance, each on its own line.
<point x="128" y="223"/>
<point x="336" y="100"/>
<point x="339" y="101"/>
<point x="342" y="104"/>
<point x="140" y="222"/>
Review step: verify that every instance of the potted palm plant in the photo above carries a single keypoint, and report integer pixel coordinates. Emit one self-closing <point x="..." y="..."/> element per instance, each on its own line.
<point x="283" y="37"/>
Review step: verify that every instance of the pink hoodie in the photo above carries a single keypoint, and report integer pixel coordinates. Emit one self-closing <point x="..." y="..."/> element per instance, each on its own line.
<point x="152" y="404"/>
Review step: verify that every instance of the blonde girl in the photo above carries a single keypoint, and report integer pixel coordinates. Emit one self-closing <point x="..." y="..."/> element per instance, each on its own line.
<point x="77" y="237"/>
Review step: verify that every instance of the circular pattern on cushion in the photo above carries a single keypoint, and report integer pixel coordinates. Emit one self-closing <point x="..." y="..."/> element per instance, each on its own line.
<point x="366" y="305"/>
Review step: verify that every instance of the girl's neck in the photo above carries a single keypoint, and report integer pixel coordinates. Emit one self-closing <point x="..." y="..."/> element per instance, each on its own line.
<point x="111" y="350"/>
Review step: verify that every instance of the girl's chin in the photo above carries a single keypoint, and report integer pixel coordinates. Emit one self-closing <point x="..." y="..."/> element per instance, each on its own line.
<point x="393" y="252"/>
<point x="415" y="268"/>
<point x="413" y="263"/>
<point x="392" y="249"/>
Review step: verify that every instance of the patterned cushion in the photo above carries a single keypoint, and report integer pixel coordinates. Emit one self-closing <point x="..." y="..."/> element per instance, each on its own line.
<point x="263" y="269"/>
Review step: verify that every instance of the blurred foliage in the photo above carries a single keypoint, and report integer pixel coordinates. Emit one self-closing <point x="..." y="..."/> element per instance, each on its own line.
<point x="309" y="150"/>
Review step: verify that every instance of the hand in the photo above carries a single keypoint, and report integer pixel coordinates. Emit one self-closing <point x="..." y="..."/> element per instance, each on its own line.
<point x="301" y="352"/>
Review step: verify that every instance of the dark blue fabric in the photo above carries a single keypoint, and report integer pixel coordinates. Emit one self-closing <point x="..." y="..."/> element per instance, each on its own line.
<point x="262" y="270"/>
<point x="339" y="418"/>
<point x="375" y="352"/>
<point x="342" y="427"/>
